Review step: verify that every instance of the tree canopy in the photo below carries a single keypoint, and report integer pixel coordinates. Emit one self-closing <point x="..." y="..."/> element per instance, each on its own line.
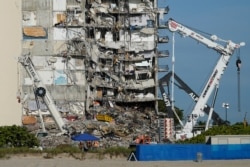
<point x="16" y="136"/>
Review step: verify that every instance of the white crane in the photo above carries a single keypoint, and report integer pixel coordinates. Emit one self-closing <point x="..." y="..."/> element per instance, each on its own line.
<point x="213" y="82"/>
<point x="40" y="91"/>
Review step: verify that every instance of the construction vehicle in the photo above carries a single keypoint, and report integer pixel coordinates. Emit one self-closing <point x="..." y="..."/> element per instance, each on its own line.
<point x="41" y="91"/>
<point x="104" y="117"/>
<point x="212" y="84"/>
<point x="142" y="139"/>
<point x="165" y="80"/>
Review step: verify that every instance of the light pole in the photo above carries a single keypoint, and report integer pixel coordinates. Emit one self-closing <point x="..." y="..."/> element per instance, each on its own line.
<point x="226" y="106"/>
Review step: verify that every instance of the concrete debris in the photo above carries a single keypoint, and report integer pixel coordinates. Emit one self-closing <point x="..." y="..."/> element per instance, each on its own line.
<point x="125" y="126"/>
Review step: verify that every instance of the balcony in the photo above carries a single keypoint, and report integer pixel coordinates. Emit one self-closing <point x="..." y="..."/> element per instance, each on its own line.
<point x="163" y="39"/>
<point x="162" y="53"/>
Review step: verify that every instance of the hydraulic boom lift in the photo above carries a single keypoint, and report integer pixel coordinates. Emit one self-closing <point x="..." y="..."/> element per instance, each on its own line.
<point x="40" y="91"/>
<point x="213" y="82"/>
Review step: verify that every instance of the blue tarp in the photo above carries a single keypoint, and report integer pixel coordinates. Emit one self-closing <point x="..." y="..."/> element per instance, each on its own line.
<point x="84" y="137"/>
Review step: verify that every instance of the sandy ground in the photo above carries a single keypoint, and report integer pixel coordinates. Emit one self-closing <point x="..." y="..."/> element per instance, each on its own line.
<point x="31" y="161"/>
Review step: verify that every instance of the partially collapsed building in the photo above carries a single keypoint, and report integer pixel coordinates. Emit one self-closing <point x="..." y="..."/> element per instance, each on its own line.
<point x="97" y="58"/>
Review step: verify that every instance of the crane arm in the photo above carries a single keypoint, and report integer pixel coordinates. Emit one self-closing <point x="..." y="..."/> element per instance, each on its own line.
<point x="183" y="86"/>
<point x="213" y="81"/>
<point x="168" y="102"/>
<point x="227" y="50"/>
<point x="41" y="90"/>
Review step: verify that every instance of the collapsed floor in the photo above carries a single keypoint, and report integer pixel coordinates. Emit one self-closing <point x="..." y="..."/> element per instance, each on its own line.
<point x="120" y="127"/>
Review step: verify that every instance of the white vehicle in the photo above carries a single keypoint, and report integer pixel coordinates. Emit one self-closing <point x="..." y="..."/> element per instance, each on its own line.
<point x="226" y="53"/>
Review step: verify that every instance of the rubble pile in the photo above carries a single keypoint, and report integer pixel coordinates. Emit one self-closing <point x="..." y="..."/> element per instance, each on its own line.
<point x="126" y="125"/>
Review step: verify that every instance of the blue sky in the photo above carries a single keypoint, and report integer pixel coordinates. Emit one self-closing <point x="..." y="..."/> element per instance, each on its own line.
<point x="229" y="20"/>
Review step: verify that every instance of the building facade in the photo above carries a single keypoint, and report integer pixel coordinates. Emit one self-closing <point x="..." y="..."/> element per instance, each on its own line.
<point x="96" y="57"/>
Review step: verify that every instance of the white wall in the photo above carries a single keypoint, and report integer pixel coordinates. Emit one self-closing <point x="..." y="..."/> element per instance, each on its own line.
<point x="10" y="49"/>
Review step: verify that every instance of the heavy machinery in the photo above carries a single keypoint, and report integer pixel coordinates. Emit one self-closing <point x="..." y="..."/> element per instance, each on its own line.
<point x="42" y="133"/>
<point x="212" y="84"/>
<point x="165" y="80"/>
<point x="41" y="91"/>
<point x="142" y="139"/>
<point x="104" y="117"/>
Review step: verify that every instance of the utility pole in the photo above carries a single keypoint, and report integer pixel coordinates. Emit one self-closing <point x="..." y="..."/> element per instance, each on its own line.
<point x="226" y="106"/>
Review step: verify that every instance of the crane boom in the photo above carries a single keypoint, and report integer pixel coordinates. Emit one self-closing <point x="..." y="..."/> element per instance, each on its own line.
<point x="183" y="86"/>
<point x="41" y="91"/>
<point x="225" y="51"/>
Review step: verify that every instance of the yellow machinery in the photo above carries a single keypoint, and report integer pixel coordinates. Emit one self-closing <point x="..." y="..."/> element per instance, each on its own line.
<point x="104" y="117"/>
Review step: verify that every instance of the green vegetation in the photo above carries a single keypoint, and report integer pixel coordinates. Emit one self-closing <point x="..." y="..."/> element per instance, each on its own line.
<point x="17" y="140"/>
<point x="63" y="148"/>
<point x="117" y="151"/>
<point x="6" y="152"/>
<point x="67" y="150"/>
<point x="236" y="129"/>
<point x="16" y="136"/>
